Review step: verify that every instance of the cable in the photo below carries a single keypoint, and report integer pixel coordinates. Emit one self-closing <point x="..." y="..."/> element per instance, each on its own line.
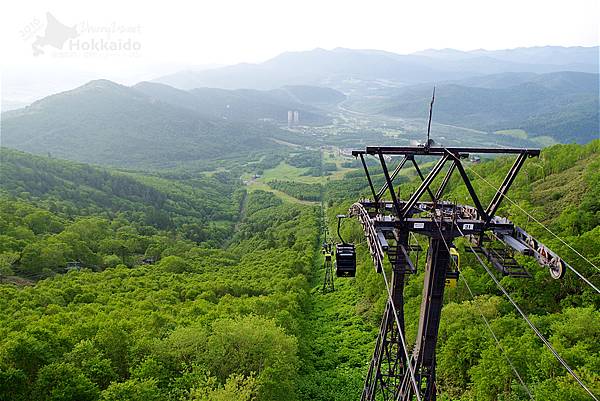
<point x="530" y="323"/>
<point x="581" y="276"/>
<point x="540" y="223"/>
<point x="584" y="279"/>
<point x="503" y="352"/>
<point x="401" y="335"/>
<point x="415" y="238"/>
<point x="340" y="217"/>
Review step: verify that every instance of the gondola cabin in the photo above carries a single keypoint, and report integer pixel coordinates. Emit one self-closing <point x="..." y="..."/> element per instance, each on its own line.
<point x="345" y="260"/>
<point x="453" y="268"/>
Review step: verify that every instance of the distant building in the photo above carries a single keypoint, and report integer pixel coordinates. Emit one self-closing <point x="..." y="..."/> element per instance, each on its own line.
<point x="346" y="152"/>
<point x="293" y="117"/>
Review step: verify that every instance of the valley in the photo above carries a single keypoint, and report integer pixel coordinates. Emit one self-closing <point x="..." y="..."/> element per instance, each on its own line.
<point x="163" y="240"/>
<point x="257" y="276"/>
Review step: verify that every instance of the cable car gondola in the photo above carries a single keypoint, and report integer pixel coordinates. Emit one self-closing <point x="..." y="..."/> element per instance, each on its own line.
<point x="453" y="268"/>
<point x="345" y="255"/>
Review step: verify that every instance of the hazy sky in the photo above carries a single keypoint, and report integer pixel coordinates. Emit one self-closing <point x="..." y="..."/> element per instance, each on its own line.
<point x="173" y="34"/>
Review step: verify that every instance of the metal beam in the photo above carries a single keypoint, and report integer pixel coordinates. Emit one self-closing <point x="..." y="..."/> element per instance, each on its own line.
<point x="444" y="183"/>
<point x="375" y="197"/>
<point x="508" y="180"/>
<point x="389" y="183"/>
<point x="392" y="177"/>
<point x="418" y="170"/>
<point x="470" y="188"/>
<point x="438" y="259"/>
<point x="420" y="150"/>
<point x="424" y="185"/>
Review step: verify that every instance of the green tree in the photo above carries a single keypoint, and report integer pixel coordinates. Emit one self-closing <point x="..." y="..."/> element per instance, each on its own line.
<point x="132" y="390"/>
<point x="113" y="341"/>
<point x="236" y="388"/>
<point x="13" y="385"/>
<point x="7" y="259"/>
<point x="91" y="361"/>
<point x="174" y="264"/>
<point x="64" y="382"/>
<point x="42" y="221"/>
<point x="254" y="345"/>
<point x="110" y="261"/>
<point x="48" y="254"/>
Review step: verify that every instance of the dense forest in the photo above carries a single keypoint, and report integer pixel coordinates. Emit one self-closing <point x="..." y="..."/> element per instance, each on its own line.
<point x="200" y="324"/>
<point x="299" y="190"/>
<point x="189" y="287"/>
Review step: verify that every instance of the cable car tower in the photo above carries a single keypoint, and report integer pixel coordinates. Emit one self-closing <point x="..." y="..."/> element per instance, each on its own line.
<point x="397" y="372"/>
<point x="326" y="250"/>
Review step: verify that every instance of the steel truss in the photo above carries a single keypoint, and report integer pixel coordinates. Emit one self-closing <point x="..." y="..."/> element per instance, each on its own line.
<point x="328" y="284"/>
<point x="387" y="225"/>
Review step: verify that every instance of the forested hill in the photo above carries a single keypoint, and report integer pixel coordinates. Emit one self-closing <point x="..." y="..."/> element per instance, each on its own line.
<point x="71" y="190"/>
<point x="110" y="124"/>
<point x="224" y="313"/>
<point x="341" y="68"/>
<point x="246" y="105"/>
<point x="562" y="105"/>
<point x="201" y="324"/>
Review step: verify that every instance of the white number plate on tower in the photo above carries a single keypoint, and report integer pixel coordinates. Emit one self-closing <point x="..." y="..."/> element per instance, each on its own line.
<point x="467" y="226"/>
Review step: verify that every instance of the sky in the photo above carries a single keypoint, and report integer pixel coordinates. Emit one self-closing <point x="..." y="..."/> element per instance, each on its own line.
<point x="174" y="35"/>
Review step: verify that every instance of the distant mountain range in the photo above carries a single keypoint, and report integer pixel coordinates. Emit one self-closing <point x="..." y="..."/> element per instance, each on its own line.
<point x="583" y="59"/>
<point x="247" y="105"/>
<point x="546" y="91"/>
<point x="345" y="69"/>
<point x="562" y="105"/>
<point x="154" y="125"/>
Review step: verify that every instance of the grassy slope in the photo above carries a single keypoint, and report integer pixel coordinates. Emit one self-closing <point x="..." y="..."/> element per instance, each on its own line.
<point x="337" y="338"/>
<point x="285" y="172"/>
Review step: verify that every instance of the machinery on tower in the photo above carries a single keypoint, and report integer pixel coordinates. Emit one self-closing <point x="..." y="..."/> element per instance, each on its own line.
<point x="398" y="371"/>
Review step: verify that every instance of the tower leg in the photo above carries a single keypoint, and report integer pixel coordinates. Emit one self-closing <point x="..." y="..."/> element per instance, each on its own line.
<point x="438" y="260"/>
<point x="388" y="365"/>
<point x="328" y="284"/>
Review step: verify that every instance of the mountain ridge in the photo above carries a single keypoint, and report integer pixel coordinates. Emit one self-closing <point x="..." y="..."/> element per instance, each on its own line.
<point x="562" y="105"/>
<point x="324" y="67"/>
<point x="106" y="123"/>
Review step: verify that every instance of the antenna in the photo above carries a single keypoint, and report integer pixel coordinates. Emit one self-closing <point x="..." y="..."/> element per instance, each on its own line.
<point x="428" y="143"/>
